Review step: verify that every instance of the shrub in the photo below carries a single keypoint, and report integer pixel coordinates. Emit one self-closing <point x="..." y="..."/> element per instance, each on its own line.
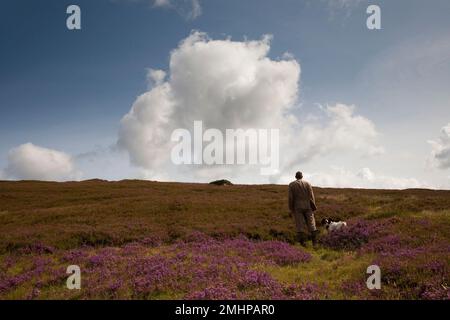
<point x="350" y="238"/>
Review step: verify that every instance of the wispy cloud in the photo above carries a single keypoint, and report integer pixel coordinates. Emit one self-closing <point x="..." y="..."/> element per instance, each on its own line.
<point x="440" y="153"/>
<point x="188" y="9"/>
<point x="342" y="7"/>
<point x="363" y="178"/>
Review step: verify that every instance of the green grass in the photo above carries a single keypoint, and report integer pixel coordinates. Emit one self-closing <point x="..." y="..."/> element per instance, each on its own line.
<point x="328" y="268"/>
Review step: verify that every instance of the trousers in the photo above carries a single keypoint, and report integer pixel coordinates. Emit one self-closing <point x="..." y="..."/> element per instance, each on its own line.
<point x="304" y="221"/>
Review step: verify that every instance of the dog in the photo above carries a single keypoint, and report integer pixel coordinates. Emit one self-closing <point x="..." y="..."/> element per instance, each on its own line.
<point x="332" y="225"/>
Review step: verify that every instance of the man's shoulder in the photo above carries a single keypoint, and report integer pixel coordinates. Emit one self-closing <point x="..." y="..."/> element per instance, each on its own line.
<point x="299" y="181"/>
<point x="302" y="183"/>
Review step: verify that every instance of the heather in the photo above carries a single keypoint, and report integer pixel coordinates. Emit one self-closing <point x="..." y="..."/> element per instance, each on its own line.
<point x="354" y="236"/>
<point x="203" y="268"/>
<point x="151" y="240"/>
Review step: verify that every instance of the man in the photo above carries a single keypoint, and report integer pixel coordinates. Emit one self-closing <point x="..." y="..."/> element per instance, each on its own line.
<point x="302" y="206"/>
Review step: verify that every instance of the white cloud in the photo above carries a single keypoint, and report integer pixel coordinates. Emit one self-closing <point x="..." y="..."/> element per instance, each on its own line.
<point x="228" y="85"/>
<point x="224" y="83"/>
<point x="343" y="130"/>
<point x="31" y="162"/>
<point x="363" y="178"/>
<point x="440" y="149"/>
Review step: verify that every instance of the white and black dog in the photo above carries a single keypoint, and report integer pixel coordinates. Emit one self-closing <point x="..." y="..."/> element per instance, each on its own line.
<point x="333" y="225"/>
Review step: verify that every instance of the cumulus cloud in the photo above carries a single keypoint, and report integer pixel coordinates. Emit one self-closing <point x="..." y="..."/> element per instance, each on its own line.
<point x="440" y="149"/>
<point x="363" y="178"/>
<point x="31" y="162"/>
<point x="229" y="85"/>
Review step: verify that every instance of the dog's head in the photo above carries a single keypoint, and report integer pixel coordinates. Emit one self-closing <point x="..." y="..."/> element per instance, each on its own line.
<point x="330" y="220"/>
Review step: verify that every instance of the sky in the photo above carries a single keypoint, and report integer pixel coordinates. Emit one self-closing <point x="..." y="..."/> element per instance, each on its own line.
<point x="354" y="107"/>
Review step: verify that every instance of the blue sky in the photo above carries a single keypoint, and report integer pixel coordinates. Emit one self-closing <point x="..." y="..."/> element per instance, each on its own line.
<point x="68" y="90"/>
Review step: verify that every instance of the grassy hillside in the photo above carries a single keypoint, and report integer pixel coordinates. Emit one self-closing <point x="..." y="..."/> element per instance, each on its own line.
<point x="139" y="239"/>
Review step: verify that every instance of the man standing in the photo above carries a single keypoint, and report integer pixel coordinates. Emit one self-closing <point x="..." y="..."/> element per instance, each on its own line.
<point x="302" y="206"/>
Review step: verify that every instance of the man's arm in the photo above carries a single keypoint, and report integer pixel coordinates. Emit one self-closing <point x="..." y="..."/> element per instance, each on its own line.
<point x="291" y="199"/>
<point x="312" y="199"/>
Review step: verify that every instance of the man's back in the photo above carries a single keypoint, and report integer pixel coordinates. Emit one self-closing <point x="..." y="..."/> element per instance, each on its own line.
<point x="300" y="195"/>
<point x="302" y="206"/>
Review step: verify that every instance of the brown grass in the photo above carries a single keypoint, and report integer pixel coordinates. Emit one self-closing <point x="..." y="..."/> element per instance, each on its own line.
<point x="67" y="215"/>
